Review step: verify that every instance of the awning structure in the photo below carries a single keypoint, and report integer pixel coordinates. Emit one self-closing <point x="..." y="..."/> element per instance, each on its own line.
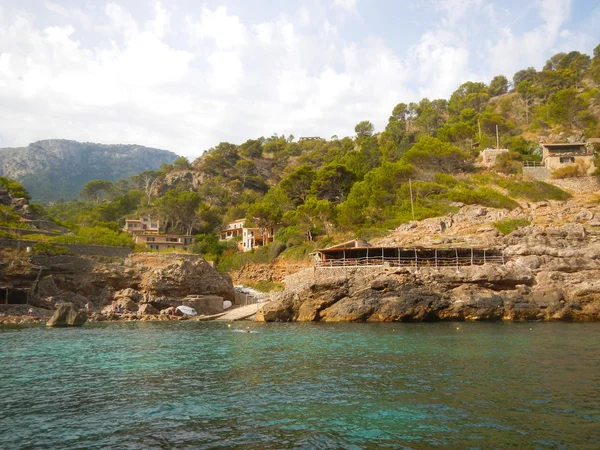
<point x="407" y="256"/>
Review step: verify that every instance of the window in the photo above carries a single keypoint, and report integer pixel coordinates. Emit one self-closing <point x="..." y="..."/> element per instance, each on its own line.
<point x="171" y="239"/>
<point x="149" y="239"/>
<point x="154" y="247"/>
<point x="567" y="159"/>
<point x="187" y="241"/>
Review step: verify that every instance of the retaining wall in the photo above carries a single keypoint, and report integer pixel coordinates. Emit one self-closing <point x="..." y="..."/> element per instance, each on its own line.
<point x="77" y="249"/>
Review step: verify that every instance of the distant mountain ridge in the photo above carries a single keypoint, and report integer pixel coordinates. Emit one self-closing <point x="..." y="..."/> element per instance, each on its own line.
<point x="56" y="169"/>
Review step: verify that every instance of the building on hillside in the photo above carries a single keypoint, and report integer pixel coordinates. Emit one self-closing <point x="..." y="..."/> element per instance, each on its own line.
<point x="557" y="156"/>
<point x="310" y="138"/>
<point x="232" y="230"/>
<point x="250" y="237"/>
<point x="144" y="224"/>
<point x="489" y="155"/>
<point x="156" y="242"/>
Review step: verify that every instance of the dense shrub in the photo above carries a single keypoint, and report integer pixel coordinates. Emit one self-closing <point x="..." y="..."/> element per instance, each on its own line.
<point x="507" y="226"/>
<point x="570" y="171"/>
<point x="15" y="188"/>
<point x="96" y="236"/>
<point x="45" y="248"/>
<point x="9" y="218"/>
<point x="534" y="191"/>
<point x="480" y="196"/>
<point x="266" y="286"/>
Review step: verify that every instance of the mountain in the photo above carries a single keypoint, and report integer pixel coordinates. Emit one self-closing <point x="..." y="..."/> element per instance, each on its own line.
<point x="57" y="168"/>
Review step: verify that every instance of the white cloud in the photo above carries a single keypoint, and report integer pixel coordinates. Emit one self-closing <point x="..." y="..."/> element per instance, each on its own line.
<point x="225" y="30"/>
<point x="226" y="72"/>
<point x="160" y="24"/>
<point x="511" y="52"/>
<point x="346" y="5"/>
<point x="185" y="80"/>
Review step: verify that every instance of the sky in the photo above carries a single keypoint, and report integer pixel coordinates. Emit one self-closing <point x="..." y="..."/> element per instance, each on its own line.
<point x="184" y="75"/>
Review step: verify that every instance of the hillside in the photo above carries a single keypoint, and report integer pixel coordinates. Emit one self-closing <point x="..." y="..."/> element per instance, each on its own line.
<point x="424" y="164"/>
<point x="58" y="169"/>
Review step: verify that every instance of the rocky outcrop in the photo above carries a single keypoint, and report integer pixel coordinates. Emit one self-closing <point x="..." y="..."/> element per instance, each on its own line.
<point x="550" y="274"/>
<point x="67" y="316"/>
<point x="171" y="276"/>
<point x="143" y="283"/>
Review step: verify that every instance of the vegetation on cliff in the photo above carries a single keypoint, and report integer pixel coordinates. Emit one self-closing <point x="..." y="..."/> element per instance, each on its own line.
<point x="423" y="164"/>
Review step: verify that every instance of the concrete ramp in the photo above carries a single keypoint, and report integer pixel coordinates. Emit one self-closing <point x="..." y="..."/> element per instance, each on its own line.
<point x="240" y="313"/>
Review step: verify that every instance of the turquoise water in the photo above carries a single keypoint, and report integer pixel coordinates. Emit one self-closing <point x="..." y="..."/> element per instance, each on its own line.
<point x="200" y="385"/>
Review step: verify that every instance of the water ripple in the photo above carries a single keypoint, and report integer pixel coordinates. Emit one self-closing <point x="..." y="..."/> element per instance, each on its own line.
<point x="313" y="386"/>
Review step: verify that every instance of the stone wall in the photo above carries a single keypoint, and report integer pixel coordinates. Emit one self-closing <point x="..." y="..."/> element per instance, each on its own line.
<point x="536" y="173"/>
<point x="586" y="185"/>
<point x="25" y="232"/>
<point x="78" y="249"/>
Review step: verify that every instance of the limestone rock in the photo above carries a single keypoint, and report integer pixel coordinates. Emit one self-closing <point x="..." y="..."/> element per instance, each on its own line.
<point x="132" y="294"/>
<point x="66" y="316"/>
<point x="147" y="309"/>
<point x="127" y="304"/>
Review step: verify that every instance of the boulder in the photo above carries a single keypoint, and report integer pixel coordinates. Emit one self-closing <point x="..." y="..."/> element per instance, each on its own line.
<point x="147" y="309"/>
<point x="127" y="304"/>
<point x="132" y="294"/>
<point x="67" y="316"/>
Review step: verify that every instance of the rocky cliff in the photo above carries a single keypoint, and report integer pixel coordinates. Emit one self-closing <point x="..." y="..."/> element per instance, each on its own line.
<point x="158" y="280"/>
<point x="552" y="273"/>
<point x="58" y="168"/>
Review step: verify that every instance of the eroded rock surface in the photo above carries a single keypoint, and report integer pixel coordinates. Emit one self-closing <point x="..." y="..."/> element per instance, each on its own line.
<point x="67" y="316"/>
<point x="552" y="273"/>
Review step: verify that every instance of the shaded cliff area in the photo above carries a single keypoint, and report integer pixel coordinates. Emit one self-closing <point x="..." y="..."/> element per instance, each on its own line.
<point x="145" y="282"/>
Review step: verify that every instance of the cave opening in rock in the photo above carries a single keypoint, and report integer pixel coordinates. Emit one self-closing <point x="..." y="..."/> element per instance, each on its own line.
<point x="13" y="296"/>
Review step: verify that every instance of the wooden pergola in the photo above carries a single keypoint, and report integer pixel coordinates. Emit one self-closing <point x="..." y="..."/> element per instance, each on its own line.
<point x="407" y="256"/>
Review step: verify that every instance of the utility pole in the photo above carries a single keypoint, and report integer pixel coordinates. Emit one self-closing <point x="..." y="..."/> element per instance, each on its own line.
<point x="412" y="205"/>
<point x="479" y="128"/>
<point x="497" y="138"/>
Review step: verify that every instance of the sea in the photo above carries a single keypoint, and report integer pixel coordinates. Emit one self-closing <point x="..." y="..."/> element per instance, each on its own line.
<point x="205" y="385"/>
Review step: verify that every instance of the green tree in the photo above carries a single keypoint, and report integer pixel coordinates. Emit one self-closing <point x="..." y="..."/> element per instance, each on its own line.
<point x="245" y="169"/>
<point x="469" y="95"/>
<point x="595" y="65"/>
<point x="523" y="75"/>
<point x="252" y="148"/>
<point x="297" y="185"/>
<point x="364" y="129"/>
<point x="333" y="182"/>
<point x="15" y="188"/>
<point x="181" y="163"/>
<point x="178" y="209"/>
<point x="498" y="85"/>
<point x="567" y="107"/>
<point x="430" y="116"/>
<point x="96" y="190"/>
<point x="432" y="155"/>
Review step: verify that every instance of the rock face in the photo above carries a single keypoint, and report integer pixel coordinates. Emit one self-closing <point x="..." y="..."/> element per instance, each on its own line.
<point x="551" y="274"/>
<point x="67" y="316"/>
<point x="143" y="283"/>
<point x="171" y="276"/>
<point x="56" y="168"/>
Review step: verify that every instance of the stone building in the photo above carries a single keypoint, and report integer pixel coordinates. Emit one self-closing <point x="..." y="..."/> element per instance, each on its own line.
<point x="489" y="155"/>
<point x="557" y="156"/>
